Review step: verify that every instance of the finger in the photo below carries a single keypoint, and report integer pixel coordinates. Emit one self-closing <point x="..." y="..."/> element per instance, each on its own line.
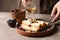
<point x="56" y="17"/>
<point x="54" y="11"/>
<point x="24" y="3"/>
<point x="28" y="0"/>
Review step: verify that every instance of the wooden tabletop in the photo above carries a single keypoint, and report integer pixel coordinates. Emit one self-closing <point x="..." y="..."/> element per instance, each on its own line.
<point x="7" y="33"/>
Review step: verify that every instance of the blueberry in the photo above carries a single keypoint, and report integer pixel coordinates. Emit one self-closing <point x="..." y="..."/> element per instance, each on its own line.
<point x="12" y="23"/>
<point x="18" y="25"/>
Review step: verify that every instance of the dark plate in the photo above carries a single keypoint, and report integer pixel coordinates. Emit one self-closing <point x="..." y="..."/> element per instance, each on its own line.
<point x="35" y="34"/>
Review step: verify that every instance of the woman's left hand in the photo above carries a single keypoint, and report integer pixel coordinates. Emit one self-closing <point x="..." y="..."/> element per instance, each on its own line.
<point x="26" y="2"/>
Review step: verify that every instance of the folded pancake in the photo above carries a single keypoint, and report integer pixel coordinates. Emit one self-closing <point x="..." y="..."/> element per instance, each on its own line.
<point x="33" y="25"/>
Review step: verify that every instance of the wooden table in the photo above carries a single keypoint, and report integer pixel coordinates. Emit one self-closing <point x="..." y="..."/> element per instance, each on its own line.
<point x="7" y="33"/>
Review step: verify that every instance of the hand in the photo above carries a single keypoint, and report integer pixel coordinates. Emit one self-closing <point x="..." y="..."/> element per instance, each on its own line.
<point x="56" y="10"/>
<point x="26" y="2"/>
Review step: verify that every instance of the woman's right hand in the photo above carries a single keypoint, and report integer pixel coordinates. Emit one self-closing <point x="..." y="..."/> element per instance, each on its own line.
<point x="56" y="10"/>
<point x="26" y="2"/>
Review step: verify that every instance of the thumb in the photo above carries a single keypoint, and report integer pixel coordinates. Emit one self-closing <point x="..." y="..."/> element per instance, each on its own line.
<point x="56" y="17"/>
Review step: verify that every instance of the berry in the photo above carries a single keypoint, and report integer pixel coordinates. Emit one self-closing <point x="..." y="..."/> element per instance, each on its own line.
<point x="12" y="23"/>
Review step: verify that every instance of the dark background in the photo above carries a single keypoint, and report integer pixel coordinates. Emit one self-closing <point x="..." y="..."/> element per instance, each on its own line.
<point x="8" y="5"/>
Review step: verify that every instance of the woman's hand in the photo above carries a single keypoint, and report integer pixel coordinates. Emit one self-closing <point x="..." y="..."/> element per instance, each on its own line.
<point x="56" y="10"/>
<point x="26" y="2"/>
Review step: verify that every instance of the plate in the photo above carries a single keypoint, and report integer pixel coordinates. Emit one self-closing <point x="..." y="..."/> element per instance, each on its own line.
<point x="35" y="34"/>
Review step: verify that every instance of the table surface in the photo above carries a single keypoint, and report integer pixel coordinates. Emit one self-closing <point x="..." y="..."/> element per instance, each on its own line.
<point x="7" y="33"/>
